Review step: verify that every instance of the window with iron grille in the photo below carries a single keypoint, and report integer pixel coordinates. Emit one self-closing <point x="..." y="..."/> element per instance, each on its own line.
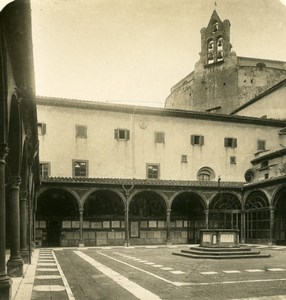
<point x="81" y="131"/>
<point x="261" y="145"/>
<point x="159" y="137"/>
<point x="197" y="140"/>
<point x="44" y="169"/>
<point x="42" y="128"/>
<point x="184" y="158"/>
<point x="153" y="171"/>
<point x="80" y="168"/>
<point x="233" y="160"/>
<point x="121" y="134"/>
<point x="230" y="142"/>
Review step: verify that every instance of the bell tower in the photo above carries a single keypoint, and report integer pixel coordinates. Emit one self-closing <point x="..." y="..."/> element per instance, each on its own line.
<point x="215" y="41"/>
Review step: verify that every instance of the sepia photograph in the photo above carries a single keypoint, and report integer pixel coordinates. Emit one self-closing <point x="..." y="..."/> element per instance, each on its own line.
<point x="143" y="149"/>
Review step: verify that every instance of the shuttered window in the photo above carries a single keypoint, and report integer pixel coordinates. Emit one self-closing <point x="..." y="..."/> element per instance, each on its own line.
<point x="197" y="140"/>
<point x="121" y="134"/>
<point x="230" y="142"/>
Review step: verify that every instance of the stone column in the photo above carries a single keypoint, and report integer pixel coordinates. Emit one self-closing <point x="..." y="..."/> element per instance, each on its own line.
<point x="15" y="262"/>
<point x="207" y="218"/>
<point x="271" y="233"/>
<point x="5" y="281"/>
<point x="242" y="230"/>
<point x="168" y="221"/>
<point x="81" y="243"/>
<point x="126" y="242"/>
<point x="24" y="252"/>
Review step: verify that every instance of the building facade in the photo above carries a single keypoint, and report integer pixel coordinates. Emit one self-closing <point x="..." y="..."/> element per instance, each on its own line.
<point x="165" y="173"/>
<point x="19" y="176"/>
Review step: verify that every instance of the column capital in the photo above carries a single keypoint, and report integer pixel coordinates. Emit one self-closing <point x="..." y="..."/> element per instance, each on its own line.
<point x="15" y="182"/>
<point x="23" y="195"/>
<point x="168" y="210"/>
<point x="4" y="150"/>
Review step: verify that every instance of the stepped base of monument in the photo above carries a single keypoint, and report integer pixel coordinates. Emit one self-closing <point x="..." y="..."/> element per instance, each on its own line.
<point x="237" y="252"/>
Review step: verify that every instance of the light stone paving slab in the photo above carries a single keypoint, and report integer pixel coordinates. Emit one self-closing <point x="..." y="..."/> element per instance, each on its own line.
<point x="177" y="272"/>
<point x="231" y="272"/>
<point x="142" y="261"/>
<point x="47" y="264"/>
<point x="157" y="266"/>
<point x="149" y="263"/>
<point x="254" y="270"/>
<point x="167" y="269"/>
<point x="47" y="269"/>
<point x="48" y="277"/>
<point x="208" y="273"/>
<point x="49" y="288"/>
<point x="276" y="269"/>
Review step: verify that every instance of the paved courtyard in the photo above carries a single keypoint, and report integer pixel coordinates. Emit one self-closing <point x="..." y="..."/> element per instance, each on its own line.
<point x="150" y="272"/>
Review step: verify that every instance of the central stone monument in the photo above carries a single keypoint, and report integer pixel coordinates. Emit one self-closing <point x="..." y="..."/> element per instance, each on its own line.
<point x="220" y="244"/>
<point x="219" y="238"/>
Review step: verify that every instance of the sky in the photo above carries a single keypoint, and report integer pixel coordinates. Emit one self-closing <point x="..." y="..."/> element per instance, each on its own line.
<point x="134" y="51"/>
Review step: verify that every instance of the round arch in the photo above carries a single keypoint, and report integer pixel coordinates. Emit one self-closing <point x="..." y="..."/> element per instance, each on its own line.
<point x="279" y="205"/>
<point x="118" y="193"/>
<point x="225" y="211"/>
<point x="103" y="203"/>
<point x="136" y="192"/>
<point x="57" y="215"/>
<point x="257" y="217"/>
<point x="187" y="216"/>
<point x="146" y="204"/>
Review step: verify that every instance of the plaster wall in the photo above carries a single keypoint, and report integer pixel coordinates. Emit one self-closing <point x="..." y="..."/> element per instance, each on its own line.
<point x="108" y="157"/>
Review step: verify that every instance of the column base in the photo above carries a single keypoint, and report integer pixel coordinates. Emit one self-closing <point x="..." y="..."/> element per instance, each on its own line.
<point x="81" y="245"/>
<point x="24" y="253"/>
<point x="15" y="267"/>
<point x="5" y="287"/>
<point x="126" y="244"/>
<point x="169" y="242"/>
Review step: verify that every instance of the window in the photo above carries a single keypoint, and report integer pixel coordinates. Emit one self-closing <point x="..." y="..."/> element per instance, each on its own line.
<point x="44" y="169"/>
<point x="184" y="159"/>
<point x="249" y="175"/>
<point x="153" y="171"/>
<point x="205" y="174"/>
<point x="121" y="134"/>
<point x="261" y="145"/>
<point x="197" y="140"/>
<point x="80" y="168"/>
<point x="42" y="128"/>
<point x="230" y="142"/>
<point x="81" y="131"/>
<point x="233" y="160"/>
<point x="160" y="137"/>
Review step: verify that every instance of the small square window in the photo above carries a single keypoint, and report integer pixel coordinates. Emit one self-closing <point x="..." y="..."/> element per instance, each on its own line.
<point x="184" y="158"/>
<point x="266" y="176"/>
<point x="121" y="134"/>
<point x="261" y="145"/>
<point x="44" y="169"/>
<point x="230" y="142"/>
<point x="42" y="128"/>
<point x="160" y="137"/>
<point x="81" y="131"/>
<point x="197" y="140"/>
<point x="80" y="168"/>
<point x="233" y="160"/>
<point x="153" y="171"/>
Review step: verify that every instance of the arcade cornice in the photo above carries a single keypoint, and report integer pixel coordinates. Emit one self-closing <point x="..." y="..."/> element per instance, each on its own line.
<point x="140" y="182"/>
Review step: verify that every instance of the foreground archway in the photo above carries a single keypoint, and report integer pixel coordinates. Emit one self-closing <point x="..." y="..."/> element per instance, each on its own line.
<point x="57" y="218"/>
<point x="187" y="218"/>
<point x="103" y="219"/>
<point x="257" y="218"/>
<point x="280" y="217"/>
<point x="147" y="218"/>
